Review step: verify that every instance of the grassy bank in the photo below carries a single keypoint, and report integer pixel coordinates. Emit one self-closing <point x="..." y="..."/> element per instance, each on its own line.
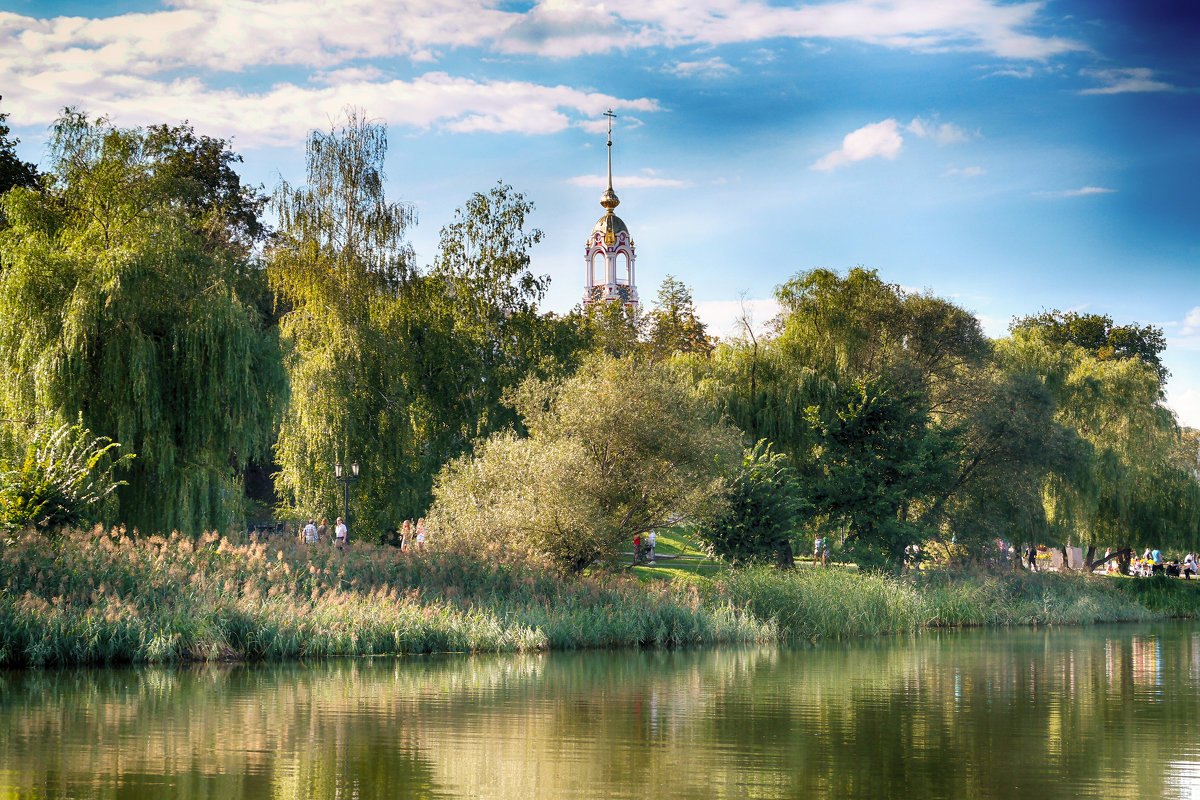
<point x="102" y="597"/>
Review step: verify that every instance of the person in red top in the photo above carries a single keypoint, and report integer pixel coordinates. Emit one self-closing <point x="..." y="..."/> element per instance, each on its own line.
<point x="637" y="548"/>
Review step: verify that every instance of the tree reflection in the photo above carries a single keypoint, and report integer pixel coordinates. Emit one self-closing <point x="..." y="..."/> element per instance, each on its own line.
<point x="967" y="714"/>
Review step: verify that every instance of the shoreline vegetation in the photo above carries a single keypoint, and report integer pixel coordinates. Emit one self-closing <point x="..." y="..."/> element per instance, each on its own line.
<point x="106" y="597"/>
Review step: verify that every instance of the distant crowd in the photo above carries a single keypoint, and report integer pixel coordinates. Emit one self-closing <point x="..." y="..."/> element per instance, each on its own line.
<point x="315" y="534"/>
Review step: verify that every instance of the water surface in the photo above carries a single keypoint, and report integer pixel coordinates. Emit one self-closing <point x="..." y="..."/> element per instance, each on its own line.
<point x="1099" y="712"/>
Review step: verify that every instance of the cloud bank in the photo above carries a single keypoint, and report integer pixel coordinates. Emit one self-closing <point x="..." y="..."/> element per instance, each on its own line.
<point x="192" y="58"/>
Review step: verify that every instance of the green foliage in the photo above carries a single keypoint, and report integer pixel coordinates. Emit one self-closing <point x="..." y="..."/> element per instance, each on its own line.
<point x="764" y="510"/>
<point x="397" y="369"/>
<point x="338" y="264"/>
<point x="118" y="312"/>
<point x="13" y="171"/>
<point x="1133" y="485"/>
<point x="674" y="326"/>
<point x="62" y="481"/>
<point x="201" y="178"/>
<point x="876" y="452"/>
<point x="1099" y="335"/>
<point x="618" y="448"/>
<point x="614" y="329"/>
<point x="1006" y="449"/>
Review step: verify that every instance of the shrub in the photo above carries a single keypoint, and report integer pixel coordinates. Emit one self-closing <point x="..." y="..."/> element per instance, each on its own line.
<point x="62" y="481"/>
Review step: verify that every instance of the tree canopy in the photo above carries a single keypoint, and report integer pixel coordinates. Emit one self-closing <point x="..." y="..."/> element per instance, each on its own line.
<point x="617" y="449"/>
<point x="118" y="313"/>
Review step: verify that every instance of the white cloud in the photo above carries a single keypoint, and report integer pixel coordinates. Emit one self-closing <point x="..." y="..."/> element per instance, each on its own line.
<point x="1080" y="192"/>
<point x="981" y="25"/>
<point x="724" y="317"/>
<point x="964" y="172"/>
<point x="944" y="133"/>
<point x="1012" y="72"/>
<point x="157" y="63"/>
<point x="1120" y="81"/>
<point x="1186" y="405"/>
<point x="232" y="35"/>
<point x="714" y="67"/>
<point x="1191" y="323"/>
<point x="880" y="139"/>
<point x="993" y="327"/>
<point x="283" y="114"/>
<point x="648" y="179"/>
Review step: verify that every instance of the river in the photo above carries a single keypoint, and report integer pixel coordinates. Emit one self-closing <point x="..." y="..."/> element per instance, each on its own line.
<point x="1095" y="712"/>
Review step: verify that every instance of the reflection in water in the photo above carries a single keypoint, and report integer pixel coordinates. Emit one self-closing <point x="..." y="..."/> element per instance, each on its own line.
<point x="1067" y="713"/>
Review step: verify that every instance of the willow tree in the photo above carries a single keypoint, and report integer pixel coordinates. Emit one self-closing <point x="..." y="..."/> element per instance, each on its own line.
<point x="340" y="265"/>
<point x="1136" y="486"/>
<point x="118" y="313"/>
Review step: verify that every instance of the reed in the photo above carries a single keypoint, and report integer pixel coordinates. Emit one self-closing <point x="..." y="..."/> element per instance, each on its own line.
<point x="108" y="597"/>
<point x="837" y="604"/>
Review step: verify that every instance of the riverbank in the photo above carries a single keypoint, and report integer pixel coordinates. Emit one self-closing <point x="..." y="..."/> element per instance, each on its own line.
<point x="104" y="597"/>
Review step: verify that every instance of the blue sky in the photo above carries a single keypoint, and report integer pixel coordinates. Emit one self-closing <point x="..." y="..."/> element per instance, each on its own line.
<point x="1011" y="156"/>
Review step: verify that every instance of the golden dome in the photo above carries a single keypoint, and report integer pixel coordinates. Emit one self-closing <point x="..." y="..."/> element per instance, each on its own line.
<point x="610" y="225"/>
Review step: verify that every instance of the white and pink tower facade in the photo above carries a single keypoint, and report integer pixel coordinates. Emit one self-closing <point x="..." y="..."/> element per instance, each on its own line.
<point x="609" y="254"/>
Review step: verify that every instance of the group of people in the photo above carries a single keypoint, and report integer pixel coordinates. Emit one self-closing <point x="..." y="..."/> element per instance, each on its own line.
<point x="412" y="536"/>
<point x="1153" y="563"/>
<point x="643" y="547"/>
<point x="314" y="533"/>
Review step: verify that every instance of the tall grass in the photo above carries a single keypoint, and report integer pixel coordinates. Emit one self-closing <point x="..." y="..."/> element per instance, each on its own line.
<point x="836" y="604"/>
<point x="106" y="597"/>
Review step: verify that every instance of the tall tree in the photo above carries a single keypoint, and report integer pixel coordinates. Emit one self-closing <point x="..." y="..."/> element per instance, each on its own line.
<point x="1130" y="489"/>
<point x="613" y="328"/>
<point x="484" y="264"/>
<point x="674" y="326"/>
<point x="875" y="453"/>
<point x="118" y="314"/>
<point x="339" y="263"/>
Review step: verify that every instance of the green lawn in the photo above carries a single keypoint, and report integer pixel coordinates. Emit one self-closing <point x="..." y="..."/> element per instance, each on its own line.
<point x="693" y="560"/>
<point x="676" y="542"/>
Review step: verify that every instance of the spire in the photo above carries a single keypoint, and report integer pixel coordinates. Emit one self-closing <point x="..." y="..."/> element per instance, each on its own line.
<point x="609" y="199"/>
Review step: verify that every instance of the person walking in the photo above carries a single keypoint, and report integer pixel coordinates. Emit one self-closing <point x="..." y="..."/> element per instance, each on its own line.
<point x="323" y="529"/>
<point x="405" y="535"/>
<point x="310" y="532"/>
<point x="420" y="539"/>
<point x="341" y="534"/>
<point x="1032" y="556"/>
<point x="651" y="540"/>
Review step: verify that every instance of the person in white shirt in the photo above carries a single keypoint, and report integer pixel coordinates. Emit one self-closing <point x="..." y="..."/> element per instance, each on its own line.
<point x="420" y="539"/>
<point x="650" y="540"/>
<point x="340" y="533"/>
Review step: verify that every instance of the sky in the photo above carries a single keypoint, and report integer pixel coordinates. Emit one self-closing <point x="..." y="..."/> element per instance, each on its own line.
<point x="1012" y="157"/>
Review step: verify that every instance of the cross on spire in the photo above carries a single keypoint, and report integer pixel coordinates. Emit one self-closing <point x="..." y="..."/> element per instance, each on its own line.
<point x="611" y="116"/>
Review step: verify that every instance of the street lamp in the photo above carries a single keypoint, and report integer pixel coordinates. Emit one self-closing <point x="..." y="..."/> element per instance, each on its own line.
<point x="346" y="481"/>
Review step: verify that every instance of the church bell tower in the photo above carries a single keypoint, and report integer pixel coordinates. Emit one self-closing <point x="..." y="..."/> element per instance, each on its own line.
<point x="609" y="255"/>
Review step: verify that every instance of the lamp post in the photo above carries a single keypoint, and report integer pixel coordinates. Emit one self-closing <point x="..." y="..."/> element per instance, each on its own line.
<point x="346" y="481"/>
